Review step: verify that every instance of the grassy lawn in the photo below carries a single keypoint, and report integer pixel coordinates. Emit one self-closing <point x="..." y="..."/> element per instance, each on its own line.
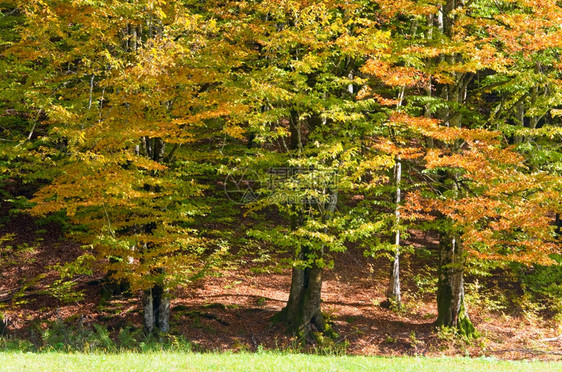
<point x="177" y="361"/>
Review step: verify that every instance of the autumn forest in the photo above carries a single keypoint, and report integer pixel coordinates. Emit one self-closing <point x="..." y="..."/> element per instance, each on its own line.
<point x="155" y="153"/>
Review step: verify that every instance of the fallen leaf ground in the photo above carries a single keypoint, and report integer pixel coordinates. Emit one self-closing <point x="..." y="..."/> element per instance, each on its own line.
<point x="233" y="309"/>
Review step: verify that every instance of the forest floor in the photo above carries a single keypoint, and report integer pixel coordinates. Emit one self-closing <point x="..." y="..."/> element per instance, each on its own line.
<point x="232" y="310"/>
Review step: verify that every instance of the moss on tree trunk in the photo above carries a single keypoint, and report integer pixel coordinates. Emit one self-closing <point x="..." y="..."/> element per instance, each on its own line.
<point x="303" y="314"/>
<point x="450" y="291"/>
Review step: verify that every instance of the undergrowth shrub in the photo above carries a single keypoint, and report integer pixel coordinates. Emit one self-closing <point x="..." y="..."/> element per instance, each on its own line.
<point x="543" y="285"/>
<point x="69" y="337"/>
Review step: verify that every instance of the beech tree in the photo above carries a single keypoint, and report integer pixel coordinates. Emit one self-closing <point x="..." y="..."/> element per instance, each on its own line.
<point x="305" y="119"/>
<point x="308" y="94"/>
<point x="135" y="84"/>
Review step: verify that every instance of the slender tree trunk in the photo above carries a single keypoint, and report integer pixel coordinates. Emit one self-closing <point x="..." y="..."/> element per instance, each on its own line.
<point x="156" y="300"/>
<point x="450" y="290"/>
<point x="148" y="312"/>
<point x="393" y="292"/>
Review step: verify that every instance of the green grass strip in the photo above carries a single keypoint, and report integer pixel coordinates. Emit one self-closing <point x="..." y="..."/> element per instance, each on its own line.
<point x="267" y="361"/>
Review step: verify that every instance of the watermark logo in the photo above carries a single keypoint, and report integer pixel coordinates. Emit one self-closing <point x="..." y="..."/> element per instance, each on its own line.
<point x="242" y="186"/>
<point x="282" y="185"/>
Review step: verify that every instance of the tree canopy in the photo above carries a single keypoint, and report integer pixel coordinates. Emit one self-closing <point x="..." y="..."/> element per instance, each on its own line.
<point x="359" y="121"/>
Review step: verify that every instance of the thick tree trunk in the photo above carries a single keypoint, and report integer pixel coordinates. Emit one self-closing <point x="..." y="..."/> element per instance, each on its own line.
<point x="303" y="313"/>
<point x="450" y="291"/>
<point x="156" y="310"/>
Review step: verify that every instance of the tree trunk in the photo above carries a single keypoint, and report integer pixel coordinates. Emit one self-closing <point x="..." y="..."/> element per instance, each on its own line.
<point x="303" y="314"/>
<point x="393" y="292"/>
<point x="3" y="325"/>
<point x="155" y="301"/>
<point x="450" y="291"/>
<point x="156" y="310"/>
